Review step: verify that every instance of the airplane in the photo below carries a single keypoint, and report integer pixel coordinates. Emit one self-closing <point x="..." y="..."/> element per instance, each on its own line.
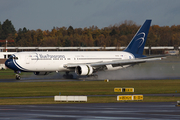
<point x="83" y="63"/>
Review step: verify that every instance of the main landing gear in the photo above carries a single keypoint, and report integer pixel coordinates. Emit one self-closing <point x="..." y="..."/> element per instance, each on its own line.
<point x="68" y="76"/>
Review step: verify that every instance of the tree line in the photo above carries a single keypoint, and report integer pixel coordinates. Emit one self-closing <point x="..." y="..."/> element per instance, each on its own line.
<point x="113" y="35"/>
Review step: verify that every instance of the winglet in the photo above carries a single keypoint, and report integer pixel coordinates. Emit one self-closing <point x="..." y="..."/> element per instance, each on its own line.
<point x="136" y="46"/>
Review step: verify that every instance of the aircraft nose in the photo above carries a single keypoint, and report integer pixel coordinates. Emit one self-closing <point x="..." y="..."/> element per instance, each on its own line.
<point x="8" y="63"/>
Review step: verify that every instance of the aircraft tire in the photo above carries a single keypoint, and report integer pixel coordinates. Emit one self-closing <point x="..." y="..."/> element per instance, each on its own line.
<point x="18" y="77"/>
<point x="69" y="76"/>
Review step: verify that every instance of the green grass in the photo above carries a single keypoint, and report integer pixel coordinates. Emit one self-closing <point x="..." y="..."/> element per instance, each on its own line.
<point x="7" y="74"/>
<point x="20" y="89"/>
<point x="87" y="87"/>
<point x="23" y="89"/>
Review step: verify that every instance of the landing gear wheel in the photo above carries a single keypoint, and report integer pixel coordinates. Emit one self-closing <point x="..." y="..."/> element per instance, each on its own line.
<point x="18" y="77"/>
<point x="68" y="76"/>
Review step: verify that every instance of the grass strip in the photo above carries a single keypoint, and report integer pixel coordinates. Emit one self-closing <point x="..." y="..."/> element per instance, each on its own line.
<point x="23" y="89"/>
<point x="20" y="89"/>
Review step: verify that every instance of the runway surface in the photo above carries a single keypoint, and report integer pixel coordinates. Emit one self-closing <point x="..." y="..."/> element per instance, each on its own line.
<point x="37" y="80"/>
<point x="66" y="80"/>
<point x="92" y="111"/>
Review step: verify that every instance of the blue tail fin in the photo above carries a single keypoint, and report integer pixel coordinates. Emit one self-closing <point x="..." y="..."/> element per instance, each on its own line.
<point x="136" y="46"/>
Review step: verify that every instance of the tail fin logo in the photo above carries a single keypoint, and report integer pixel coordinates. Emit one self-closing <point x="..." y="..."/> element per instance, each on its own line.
<point x="141" y="39"/>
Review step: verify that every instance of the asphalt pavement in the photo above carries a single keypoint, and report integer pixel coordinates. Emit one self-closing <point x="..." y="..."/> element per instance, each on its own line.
<point x="92" y="111"/>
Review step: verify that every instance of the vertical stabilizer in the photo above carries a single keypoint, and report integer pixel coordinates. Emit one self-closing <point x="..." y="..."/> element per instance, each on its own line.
<point x="136" y="46"/>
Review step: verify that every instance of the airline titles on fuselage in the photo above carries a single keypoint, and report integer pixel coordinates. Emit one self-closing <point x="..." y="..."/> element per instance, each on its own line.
<point x="47" y="57"/>
<point x="77" y="57"/>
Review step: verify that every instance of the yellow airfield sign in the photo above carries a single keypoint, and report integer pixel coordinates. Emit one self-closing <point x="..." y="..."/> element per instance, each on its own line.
<point x="124" y="97"/>
<point x="129" y="89"/>
<point x="137" y="97"/>
<point x="129" y="97"/>
<point x="117" y="89"/>
<point x="123" y="89"/>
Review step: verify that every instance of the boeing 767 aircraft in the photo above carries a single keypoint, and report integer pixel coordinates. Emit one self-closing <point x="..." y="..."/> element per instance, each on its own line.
<point x="81" y="62"/>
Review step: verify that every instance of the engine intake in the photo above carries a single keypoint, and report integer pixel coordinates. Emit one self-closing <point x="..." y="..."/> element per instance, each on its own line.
<point x="84" y="70"/>
<point x="41" y="73"/>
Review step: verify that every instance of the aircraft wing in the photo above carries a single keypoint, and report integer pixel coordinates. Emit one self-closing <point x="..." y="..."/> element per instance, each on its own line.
<point x="154" y="56"/>
<point x="115" y="62"/>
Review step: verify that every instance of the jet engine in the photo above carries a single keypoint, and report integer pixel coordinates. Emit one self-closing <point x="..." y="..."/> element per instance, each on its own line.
<point x="84" y="70"/>
<point x="41" y="73"/>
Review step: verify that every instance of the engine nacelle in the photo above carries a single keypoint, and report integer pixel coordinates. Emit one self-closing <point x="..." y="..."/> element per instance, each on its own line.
<point x="84" y="70"/>
<point x="41" y="73"/>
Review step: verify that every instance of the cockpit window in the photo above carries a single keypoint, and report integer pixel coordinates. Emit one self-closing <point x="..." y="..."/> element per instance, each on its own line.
<point x="11" y="57"/>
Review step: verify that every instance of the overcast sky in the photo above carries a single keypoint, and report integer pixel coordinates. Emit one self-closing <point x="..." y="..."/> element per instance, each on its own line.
<point x="46" y="14"/>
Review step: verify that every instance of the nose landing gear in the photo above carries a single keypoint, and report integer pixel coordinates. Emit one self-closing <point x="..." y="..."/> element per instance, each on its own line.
<point x="18" y="77"/>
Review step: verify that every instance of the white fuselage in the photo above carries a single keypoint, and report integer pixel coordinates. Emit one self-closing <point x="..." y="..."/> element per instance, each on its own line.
<point x="56" y="61"/>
